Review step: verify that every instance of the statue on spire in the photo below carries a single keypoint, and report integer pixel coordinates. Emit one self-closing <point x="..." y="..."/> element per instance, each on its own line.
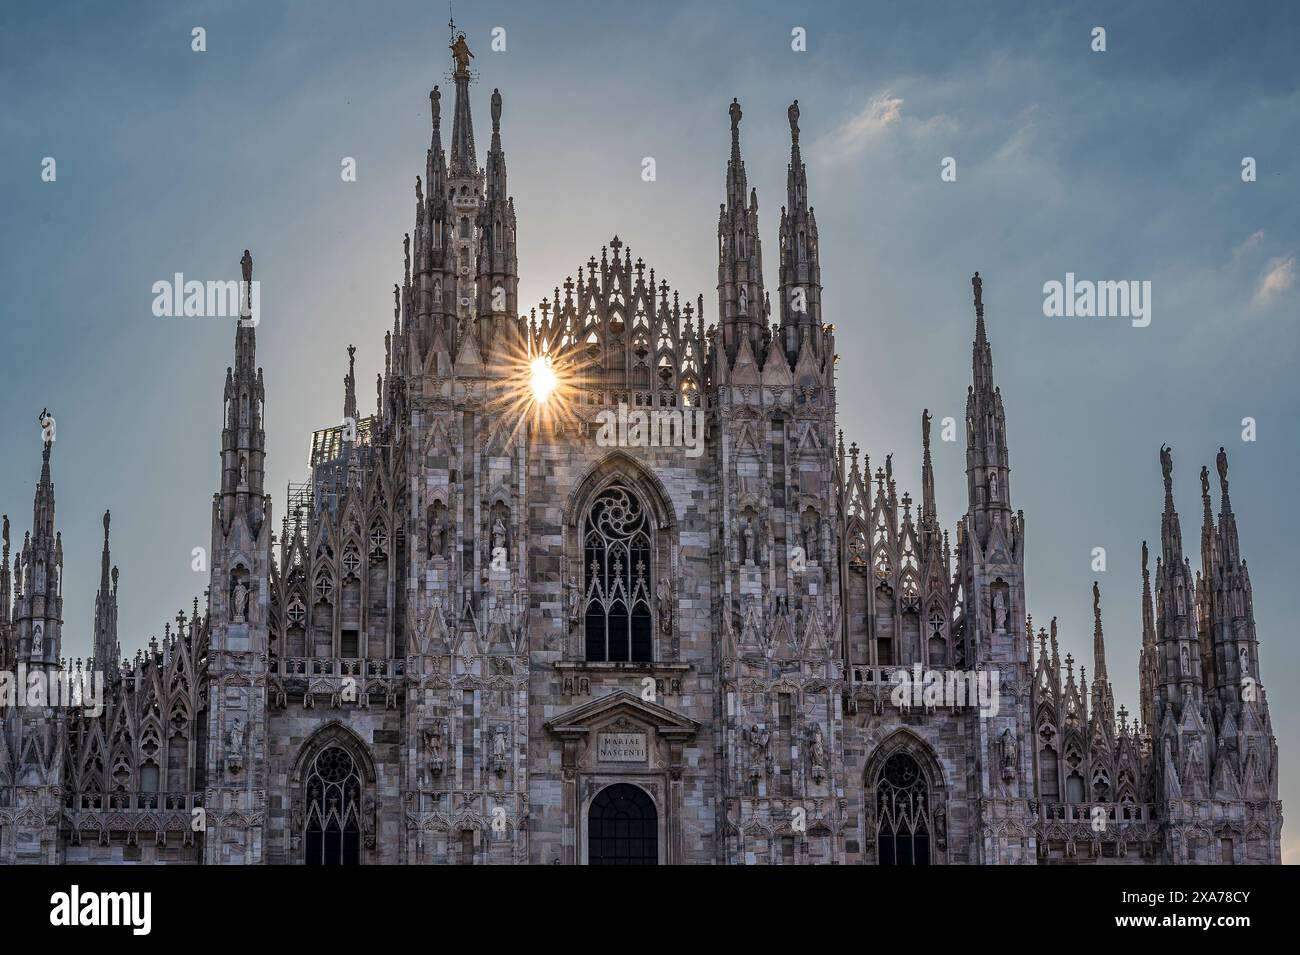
<point x="734" y="112"/>
<point x="1167" y="465"/>
<point x="793" y="113"/>
<point x="1221" y="462"/>
<point x="460" y="53"/>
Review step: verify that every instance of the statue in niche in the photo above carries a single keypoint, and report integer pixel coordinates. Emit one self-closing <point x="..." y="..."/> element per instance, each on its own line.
<point x="760" y="741"/>
<point x="243" y="469"/>
<point x="437" y="542"/>
<point x="499" y="538"/>
<point x="999" y="610"/>
<point x="747" y="541"/>
<point x="817" y="753"/>
<point x="993" y="486"/>
<point x="1010" y="754"/>
<point x="369" y="819"/>
<point x="433" y="751"/>
<point x="1243" y="661"/>
<point x="239" y="604"/>
<point x="1186" y="660"/>
<point x="664" y="606"/>
<point x="235" y="742"/>
<point x="499" y="754"/>
<point x="744" y="300"/>
<point x="38" y="641"/>
<point x="573" y="599"/>
<point x="809" y="534"/>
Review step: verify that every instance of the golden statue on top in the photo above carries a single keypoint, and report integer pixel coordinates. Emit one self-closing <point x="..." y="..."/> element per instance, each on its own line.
<point x="460" y="53"/>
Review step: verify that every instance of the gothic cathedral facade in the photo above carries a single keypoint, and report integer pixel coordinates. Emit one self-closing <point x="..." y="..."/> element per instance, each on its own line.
<point x="479" y="634"/>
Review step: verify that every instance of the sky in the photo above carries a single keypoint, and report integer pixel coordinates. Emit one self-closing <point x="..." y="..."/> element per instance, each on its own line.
<point x="1117" y="165"/>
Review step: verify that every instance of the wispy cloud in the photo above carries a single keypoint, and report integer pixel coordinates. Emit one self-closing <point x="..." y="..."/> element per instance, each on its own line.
<point x="1277" y="277"/>
<point x="880" y="112"/>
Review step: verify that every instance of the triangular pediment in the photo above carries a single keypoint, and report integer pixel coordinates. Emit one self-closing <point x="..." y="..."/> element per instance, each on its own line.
<point x="582" y="719"/>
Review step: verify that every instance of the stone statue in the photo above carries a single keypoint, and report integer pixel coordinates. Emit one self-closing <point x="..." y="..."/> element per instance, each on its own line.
<point x="999" y="611"/>
<point x="1186" y="661"/>
<point x="993" y="486"/>
<point x="1166" y="463"/>
<point x="235" y="741"/>
<point x="747" y="532"/>
<point x="499" y="751"/>
<point x="744" y="300"/>
<point x="1010" y="753"/>
<point x="243" y="470"/>
<point x="664" y="606"/>
<point x="1243" y="661"/>
<point x="433" y="751"/>
<point x="925" y="427"/>
<point x="437" y="531"/>
<point x="761" y="745"/>
<point x="499" y="535"/>
<point x="1205" y="481"/>
<point x="237" y="609"/>
<point x="38" y="642"/>
<point x="295" y="827"/>
<point x="460" y="53"/>
<point x="810" y="536"/>
<point x="793" y="114"/>
<point x="817" y="753"/>
<point x="1221" y="462"/>
<point x="573" y="599"/>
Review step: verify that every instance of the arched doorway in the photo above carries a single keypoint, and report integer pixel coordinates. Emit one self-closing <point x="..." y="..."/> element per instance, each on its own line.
<point x="622" y="827"/>
<point x="903" y="822"/>
<point x="333" y="817"/>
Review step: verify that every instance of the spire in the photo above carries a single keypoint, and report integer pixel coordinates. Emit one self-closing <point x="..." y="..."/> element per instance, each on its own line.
<point x="1148" y="661"/>
<point x="464" y="164"/>
<point x="350" y="385"/>
<point x="243" y="441"/>
<point x="1103" y="700"/>
<point x="929" y="511"/>
<point x="800" y="259"/>
<point x="988" y="467"/>
<point x="1179" y="648"/>
<point x="740" y="255"/>
<point x="43" y="505"/>
<point x="107" y="651"/>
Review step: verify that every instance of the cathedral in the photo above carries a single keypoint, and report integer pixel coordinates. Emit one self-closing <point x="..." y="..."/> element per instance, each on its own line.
<point x="481" y="633"/>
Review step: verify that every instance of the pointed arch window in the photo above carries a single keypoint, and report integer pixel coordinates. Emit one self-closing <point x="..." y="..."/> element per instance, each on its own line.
<point x="903" y="823"/>
<point x="333" y="822"/>
<point x="618" y="565"/>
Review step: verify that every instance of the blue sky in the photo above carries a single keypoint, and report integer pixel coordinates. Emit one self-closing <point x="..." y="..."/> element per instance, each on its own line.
<point x="1116" y="165"/>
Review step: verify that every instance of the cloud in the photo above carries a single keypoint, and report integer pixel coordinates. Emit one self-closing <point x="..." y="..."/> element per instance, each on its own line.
<point x="1249" y="244"/>
<point x="1277" y="277"/>
<point x="881" y="111"/>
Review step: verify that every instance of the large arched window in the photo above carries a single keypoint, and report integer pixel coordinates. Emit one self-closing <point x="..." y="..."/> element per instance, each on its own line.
<point x="617" y="568"/>
<point x="903" y="822"/>
<point x="333" y="823"/>
<point x="622" y="827"/>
